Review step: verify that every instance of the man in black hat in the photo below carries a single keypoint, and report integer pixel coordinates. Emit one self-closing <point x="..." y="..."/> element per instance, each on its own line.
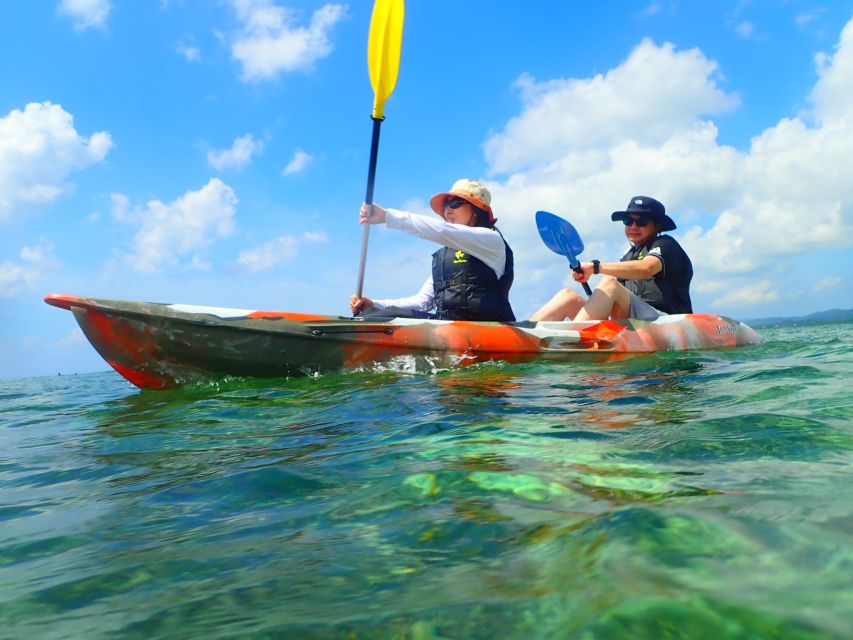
<point x="652" y="278"/>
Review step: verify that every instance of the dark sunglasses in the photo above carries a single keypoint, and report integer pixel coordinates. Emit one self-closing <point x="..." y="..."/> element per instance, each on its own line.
<point x="640" y="222"/>
<point x="455" y="203"/>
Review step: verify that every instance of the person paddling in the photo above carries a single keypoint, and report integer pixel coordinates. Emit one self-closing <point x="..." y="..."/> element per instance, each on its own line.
<point x="652" y="278"/>
<point x="473" y="271"/>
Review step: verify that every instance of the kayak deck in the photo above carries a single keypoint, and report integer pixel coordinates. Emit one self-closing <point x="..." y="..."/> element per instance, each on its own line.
<point x="158" y="346"/>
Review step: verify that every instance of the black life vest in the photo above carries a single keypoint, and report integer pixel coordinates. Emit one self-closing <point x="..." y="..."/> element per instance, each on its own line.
<point x="466" y="288"/>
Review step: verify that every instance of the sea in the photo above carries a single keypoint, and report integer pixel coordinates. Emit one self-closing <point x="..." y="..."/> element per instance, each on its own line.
<point x="675" y="495"/>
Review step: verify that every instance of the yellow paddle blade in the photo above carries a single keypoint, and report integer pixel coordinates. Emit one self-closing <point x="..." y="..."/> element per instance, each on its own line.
<point x="383" y="50"/>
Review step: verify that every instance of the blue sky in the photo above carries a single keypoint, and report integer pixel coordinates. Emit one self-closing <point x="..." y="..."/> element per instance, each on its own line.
<point x="215" y="152"/>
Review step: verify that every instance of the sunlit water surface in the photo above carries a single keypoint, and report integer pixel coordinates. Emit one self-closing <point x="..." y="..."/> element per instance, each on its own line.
<point x="703" y="495"/>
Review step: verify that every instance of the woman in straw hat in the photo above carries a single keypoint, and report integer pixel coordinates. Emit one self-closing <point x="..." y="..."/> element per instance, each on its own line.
<point x="471" y="273"/>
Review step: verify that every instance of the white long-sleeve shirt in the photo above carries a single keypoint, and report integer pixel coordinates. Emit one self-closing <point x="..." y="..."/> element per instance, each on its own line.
<point x="480" y="242"/>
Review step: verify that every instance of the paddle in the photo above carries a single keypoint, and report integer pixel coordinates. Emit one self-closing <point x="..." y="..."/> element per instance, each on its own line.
<point x="383" y="63"/>
<point x="561" y="237"/>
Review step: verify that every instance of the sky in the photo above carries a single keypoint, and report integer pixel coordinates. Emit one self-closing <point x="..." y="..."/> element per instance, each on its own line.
<point x="215" y="152"/>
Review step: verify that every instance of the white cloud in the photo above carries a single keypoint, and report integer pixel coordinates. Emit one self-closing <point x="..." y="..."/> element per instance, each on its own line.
<point x="86" y="13"/>
<point x="833" y="93"/>
<point x="200" y="264"/>
<point x="751" y="294"/>
<point x="582" y="147"/>
<point x="651" y="9"/>
<point x="188" y="49"/>
<point x="73" y="339"/>
<point x="808" y="18"/>
<point x="39" y="148"/>
<point x="830" y="282"/>
<point x="36" y="262"/>
<point x="11" y="277"/>
<point x="238" y="156"/>
<point x="170" y="232"/>
<point x="417" y="205"/>
<point x="121" y="207"/>
<point x="39" y="255"/>
<point x="269" y="42"/>
<point x="745" y="29"/>
<point x="655" y="93"/>
<point x="314" y="236"/>
<point x="298" y="163"/>
<point x="282" y="249"/>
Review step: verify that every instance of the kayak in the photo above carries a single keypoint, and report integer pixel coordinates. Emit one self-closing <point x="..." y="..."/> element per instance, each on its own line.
<point x="160" y="346"/>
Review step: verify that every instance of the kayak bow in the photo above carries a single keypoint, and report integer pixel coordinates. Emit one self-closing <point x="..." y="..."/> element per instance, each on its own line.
<point x="159" y="346"/>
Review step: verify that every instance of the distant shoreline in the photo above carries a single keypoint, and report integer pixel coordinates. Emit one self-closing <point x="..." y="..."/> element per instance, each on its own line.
<point x="831" y="315"/>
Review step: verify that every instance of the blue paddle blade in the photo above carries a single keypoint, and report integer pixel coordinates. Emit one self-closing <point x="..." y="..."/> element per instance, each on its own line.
<point x="559" y="236"/>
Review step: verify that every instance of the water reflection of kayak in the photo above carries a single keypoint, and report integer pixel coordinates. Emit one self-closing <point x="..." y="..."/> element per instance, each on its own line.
<point x="159" y="346"/>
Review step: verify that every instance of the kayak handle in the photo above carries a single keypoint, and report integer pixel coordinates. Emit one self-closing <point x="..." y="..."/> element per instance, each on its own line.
<point x="322" y="332"/>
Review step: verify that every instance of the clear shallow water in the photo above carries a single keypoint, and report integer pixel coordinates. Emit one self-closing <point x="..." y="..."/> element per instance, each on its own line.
<point x="703" y="495"/>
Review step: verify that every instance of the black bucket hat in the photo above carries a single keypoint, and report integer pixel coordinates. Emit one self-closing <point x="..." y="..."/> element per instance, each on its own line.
<point x="648" y="208"/>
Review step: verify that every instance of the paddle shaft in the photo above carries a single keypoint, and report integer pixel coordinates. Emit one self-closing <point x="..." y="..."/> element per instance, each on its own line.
<point x="368" y="199"/>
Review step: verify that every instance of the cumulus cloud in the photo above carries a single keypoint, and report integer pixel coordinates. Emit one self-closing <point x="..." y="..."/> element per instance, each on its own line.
<point x="270" y="254"/>
<point x="170" y="234"/>
<point x="39" y="148"/>
<point x="34" y="263"/>
<point x="238" y="156"/>
<point x="833" y="94"/>
<point x="298" y="163"/>
<point x="583" y="146"/>
<point x="606" y="110"/>
<point x="85" y="14"/>
<point x="269" y="42"/>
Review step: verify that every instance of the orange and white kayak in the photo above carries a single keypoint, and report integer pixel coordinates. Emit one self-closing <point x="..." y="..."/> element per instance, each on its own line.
<point x="159" y="346"/>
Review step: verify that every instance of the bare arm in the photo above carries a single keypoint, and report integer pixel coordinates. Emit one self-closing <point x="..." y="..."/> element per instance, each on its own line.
<point x="628" y="270"/>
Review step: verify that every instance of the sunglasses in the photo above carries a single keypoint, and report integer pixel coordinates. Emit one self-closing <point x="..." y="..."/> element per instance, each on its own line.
<point x="455" y="203"/>
<point x="640" y="222"/>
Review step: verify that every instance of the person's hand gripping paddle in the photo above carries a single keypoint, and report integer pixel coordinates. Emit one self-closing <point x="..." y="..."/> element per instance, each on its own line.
<point x="561" y="237"/>
<point x="383" y="62"/>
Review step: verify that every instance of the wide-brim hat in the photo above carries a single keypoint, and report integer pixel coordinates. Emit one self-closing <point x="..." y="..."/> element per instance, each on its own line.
<point x="648" y="208"/>
<point x="470" y="191"/>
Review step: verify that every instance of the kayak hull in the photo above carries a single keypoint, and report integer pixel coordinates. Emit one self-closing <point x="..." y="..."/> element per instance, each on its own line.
<point x="159" y="346"/>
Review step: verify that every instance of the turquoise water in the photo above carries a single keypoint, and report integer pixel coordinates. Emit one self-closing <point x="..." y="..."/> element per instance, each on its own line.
<point x="703" y="495"/>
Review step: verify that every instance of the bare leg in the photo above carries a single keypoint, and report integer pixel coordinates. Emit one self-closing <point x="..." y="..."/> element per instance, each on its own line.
<point x="565" y="304"/>
<point x="609" y="300"/>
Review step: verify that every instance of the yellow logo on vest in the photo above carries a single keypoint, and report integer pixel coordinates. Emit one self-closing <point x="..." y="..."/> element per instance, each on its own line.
<point x="459" y="257"/>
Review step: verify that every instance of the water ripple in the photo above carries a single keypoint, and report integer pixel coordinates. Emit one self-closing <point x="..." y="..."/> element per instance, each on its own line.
<point x="705" y="493"/>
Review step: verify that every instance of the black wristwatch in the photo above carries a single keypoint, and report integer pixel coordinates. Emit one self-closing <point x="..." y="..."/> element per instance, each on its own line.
<point x="596" y="266"/>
